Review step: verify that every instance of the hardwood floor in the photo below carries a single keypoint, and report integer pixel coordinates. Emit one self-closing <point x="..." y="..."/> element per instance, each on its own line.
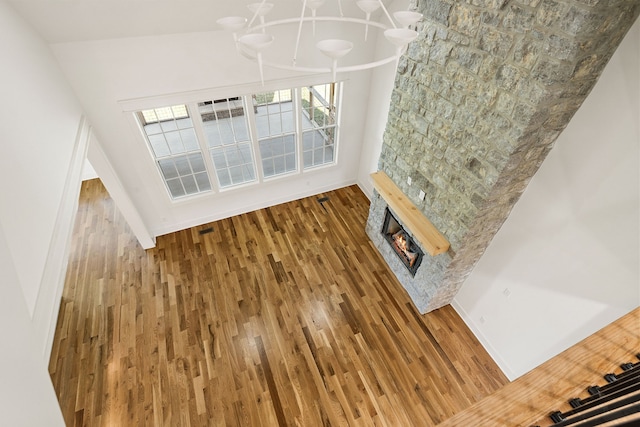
<point x="283" y="316"/>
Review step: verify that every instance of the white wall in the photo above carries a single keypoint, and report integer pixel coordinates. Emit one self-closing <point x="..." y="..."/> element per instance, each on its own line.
<point x="101" y="166"/>
<point x="27" y="397"/>
<point x="88" y="172"/>
<point x="113" y="77"/>
<point x="568" y="254"/>
<point x="382" y="81"/>
<point x="41" y="129"/>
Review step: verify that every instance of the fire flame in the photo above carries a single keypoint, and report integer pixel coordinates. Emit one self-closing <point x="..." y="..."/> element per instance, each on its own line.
<point x="402" y="243"/>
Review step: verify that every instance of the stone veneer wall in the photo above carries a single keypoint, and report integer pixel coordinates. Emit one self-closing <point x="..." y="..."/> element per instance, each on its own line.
<point x="479" y="99"/>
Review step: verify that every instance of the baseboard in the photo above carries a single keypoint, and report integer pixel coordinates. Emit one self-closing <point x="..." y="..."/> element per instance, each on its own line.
<point x="366" y="187"/>
<point x="495" y="355"/>
<point x="250" y="208"/>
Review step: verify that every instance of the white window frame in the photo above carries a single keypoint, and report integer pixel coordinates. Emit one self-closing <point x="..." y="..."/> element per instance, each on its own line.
<point x="192" y="100"/>
<point x="170" y="156"/>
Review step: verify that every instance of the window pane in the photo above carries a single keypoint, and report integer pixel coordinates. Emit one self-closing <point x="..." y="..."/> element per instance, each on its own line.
<point x="290" y="145"/>
<point x="262" y="125"/>
<point x="319" y="124"/>
<point x="175" y="146"/>
<point x="223" y="178"/>
<point x="249" y="172"/>
<point x="189" y="183"/>
<point x="308" y="159"/>
<point x="318" y="147"/>
<point x="179" y="111"/>
<point x="267" y="167"/>
<point x="275" y="124"/>
<point x="274" y="161"/>
<point x="328" y="154"/>
<point x="182" y="164"/>
<point x="240" y="129"/>
<point x="219" y="159"/>
<point x="168" y="169"/>
<point x="184" y="123"/>
<point x="189" y="139"/>
<point x="277" y="146"/>
<point x="175" y="188"/>
<point x="203" y="181"/>
<point x="236" y="174"/>
<point x="233" y="159"/>
<point x="168" y="126"/>
<point x="159" y="145"/>
<point x="212" y="135"/>
<point x="318" y="104"/>
<point x="175" y="143"/>
<point x="226" y="130"/>
<point x="149" y="116"/>
<point x="245" y="152"/>
<point x="197" y="163"/>
<point x="152" y="129"/>
<point x="290" y="161"/>
<point x="231" y="164"/>
<point x="274" y="113"/>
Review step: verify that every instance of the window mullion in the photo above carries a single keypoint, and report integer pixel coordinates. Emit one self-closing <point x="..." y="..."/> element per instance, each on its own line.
<point x="336" y="93"/>
<point x="253" y="135"/>
<point x="202" y="142"/>
<point x="297" y="116"/>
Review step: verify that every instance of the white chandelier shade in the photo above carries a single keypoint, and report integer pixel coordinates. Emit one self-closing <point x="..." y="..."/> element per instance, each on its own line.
<point x="252" y="38"/>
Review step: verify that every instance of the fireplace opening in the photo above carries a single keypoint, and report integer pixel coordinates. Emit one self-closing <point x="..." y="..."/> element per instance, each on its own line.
<point x="408" y="252"/>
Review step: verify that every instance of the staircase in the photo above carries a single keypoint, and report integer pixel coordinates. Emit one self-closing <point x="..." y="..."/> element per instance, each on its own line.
<point x="617" y="402"/>
<point x="528" y="400"/>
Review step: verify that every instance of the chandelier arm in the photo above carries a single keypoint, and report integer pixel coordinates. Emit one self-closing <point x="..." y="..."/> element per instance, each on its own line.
<point x="295" y="52"/>
<point x="318" y="19"/>
<point x="255" y="15"/>
<point x="386" y="12"/>
<point x="320" y="70"/>
<point x="366" y="26"/>
<point x="255" y="55"/>
<point x="367" y="65"/>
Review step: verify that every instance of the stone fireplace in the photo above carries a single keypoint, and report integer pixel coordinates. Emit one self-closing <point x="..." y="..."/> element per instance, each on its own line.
<point x="422" y="283"/>
<point x="479" y="99"/>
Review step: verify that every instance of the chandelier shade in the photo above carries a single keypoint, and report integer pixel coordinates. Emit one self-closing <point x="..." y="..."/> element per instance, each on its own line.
<point x="252" y="36"/>
<point x="406" y="17"/>
<point x="334" y="49"/>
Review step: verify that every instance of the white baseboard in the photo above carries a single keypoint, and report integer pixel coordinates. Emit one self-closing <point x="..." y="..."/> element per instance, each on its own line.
<point x="222" y="214"/>
<point x="495" y="355"/>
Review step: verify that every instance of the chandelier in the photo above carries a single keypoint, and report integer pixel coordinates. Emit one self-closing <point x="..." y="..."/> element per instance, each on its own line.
<point x="252" y="36"/>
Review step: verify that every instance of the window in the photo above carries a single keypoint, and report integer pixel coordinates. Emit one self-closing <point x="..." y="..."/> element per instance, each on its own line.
<point x="318" y="124"/>
<point x="175" y="147"/>
<point x="243" y="139"/>
<point x="225" y="126"/>
<point x="275" y="125"/>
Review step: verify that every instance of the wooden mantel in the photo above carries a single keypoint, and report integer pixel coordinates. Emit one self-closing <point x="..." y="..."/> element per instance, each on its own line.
<point x="421" y="228"/>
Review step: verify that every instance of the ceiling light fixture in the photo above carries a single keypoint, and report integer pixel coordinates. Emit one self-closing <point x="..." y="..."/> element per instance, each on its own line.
<point x="252" y="38"/>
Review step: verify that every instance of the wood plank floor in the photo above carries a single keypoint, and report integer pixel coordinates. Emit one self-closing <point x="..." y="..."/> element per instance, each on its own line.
<point x="283" y="316"/>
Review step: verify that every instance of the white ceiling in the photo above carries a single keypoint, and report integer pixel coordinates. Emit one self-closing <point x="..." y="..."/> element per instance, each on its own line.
<point x="60" y="21"/>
